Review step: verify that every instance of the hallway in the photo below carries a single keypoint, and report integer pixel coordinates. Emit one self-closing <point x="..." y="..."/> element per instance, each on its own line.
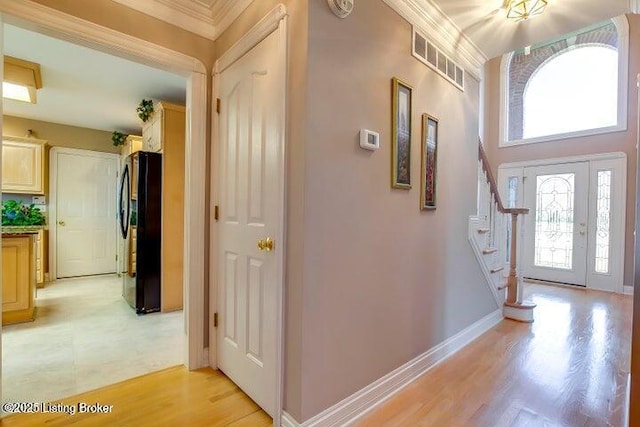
<point x="569" y="368"/>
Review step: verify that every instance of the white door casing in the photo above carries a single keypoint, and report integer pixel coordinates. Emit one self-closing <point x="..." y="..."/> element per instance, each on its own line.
<point x="83" y="217"/>
<point x="606" y="214"/>
<point x="250" y="195"/>
<point x="56" y="23"/>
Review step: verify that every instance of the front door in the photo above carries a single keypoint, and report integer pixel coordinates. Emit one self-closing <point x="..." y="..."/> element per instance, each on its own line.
<point x="85" y="206"/>
<point x="251" y="92"/>
<point x="555" y="244"/>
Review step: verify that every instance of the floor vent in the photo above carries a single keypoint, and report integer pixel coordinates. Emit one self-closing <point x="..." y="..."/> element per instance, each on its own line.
<point x="427" y="53"/>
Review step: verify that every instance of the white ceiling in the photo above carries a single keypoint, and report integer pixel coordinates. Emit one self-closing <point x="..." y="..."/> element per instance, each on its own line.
<point x="485" y="22"/>
<point x="87" y="88"/>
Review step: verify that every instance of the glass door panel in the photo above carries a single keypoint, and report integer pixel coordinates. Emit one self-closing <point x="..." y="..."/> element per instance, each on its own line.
<point x="555" y="232"/>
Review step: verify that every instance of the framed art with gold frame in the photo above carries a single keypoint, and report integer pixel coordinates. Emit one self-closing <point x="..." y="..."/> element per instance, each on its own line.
<point x="429" y="162"/>
<point x="400" y="134"/>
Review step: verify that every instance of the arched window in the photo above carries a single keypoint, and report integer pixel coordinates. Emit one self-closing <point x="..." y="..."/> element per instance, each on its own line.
<point x="571" y="86"/>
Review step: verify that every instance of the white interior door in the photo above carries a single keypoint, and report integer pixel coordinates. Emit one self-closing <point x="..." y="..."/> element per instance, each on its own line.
<point x="85" y="203"/>
<point x="251" y="209"/>
<point x="555" y="243"/>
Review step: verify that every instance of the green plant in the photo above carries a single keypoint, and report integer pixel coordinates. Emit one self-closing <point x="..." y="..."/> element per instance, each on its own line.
<point x="118" y="138"/>
<point x="17" y="213"/>
<point x="145" y="109"/>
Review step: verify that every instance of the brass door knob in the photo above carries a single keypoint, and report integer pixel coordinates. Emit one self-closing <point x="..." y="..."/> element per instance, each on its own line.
<point x="266" y="244"/>
<point x="62" y="223"/>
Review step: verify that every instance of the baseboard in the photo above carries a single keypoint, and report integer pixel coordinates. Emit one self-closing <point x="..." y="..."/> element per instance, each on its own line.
<point x="287" y="420"/>
<point x="627" y="402"/>
<point x="627" y="290"/>
<point x="205" y="356"/>
<point x="358" y="404"/>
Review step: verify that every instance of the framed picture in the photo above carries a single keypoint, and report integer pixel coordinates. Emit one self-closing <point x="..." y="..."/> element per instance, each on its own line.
<point x="429" y="162"/>
<point x="401" y="135"/>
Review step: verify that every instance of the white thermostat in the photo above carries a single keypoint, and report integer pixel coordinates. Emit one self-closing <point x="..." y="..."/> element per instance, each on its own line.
<point x="369" y="139"/>
<point x="342" y="8"/>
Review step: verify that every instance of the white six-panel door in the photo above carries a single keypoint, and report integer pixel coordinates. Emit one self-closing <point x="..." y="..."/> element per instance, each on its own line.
<point x="85" y="212"/>
<point x="251" y="208"/>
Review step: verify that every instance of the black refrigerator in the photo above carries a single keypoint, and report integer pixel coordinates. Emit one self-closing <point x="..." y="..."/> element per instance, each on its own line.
<point x="140" y="213"/>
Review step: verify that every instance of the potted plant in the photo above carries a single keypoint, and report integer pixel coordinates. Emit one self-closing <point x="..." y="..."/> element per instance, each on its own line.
<point x="145" y="109"/>
<point x="118" y="138"/>
<point x="16" y="213"/>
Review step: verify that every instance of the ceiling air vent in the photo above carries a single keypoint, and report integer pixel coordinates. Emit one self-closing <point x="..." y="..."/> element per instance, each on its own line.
<point x="427" y="53"/>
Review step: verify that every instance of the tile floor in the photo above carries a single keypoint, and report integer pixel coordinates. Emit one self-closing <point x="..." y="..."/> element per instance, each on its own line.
<point x="85" y="336"/>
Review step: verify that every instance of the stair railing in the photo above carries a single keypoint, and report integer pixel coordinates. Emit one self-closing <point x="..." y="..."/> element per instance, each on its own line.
<point x="514" y="307"/>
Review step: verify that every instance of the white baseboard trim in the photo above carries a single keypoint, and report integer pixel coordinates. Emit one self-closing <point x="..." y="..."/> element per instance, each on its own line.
<point x="627" y="290"/>
<point x="627" y="403"/>
<point x="287" y="420"/>
<point x="358" y="404"/>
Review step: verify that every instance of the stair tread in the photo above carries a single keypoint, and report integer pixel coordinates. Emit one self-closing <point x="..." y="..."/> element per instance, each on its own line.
<point x="489" y="250"/>
<point x="483" y="230"/>
<point x="496" y="269"/>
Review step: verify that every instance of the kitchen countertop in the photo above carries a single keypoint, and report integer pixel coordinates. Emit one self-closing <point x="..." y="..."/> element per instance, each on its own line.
<point x="22" y="229"/>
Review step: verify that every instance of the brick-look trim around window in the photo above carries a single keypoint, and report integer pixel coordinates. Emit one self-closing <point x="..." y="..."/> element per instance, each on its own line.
<point x="522" y="67"/>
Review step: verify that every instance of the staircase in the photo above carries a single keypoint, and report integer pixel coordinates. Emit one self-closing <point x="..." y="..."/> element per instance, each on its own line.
<point x="493" y="234"/>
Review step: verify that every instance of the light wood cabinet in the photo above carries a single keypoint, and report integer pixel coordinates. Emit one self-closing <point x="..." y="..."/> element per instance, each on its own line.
<point x="22" y="165"/>
<point x="18" y="279"/>
<point x="39" y="251"/>
<point x="131" y="269"/>
<point x="132" y="145"/>
<point x="153" y="131"/>
<point x="166" y="132"/>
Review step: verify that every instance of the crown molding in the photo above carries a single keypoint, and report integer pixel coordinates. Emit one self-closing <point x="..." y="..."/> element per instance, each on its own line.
<point x="206" y="21"/>
<point x="432" y="21"/>
<point x="90" y="34"/>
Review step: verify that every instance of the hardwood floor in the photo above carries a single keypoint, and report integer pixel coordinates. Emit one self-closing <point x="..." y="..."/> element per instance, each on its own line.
<point x="569" y="368"/>
<point x="172" y="397"/>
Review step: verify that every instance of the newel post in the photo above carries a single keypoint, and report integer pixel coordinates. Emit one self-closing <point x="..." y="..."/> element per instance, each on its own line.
<point x="514" y="307"/>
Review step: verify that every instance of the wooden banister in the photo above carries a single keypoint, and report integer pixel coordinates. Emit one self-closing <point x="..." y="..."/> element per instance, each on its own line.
<point x="516" y="308"/>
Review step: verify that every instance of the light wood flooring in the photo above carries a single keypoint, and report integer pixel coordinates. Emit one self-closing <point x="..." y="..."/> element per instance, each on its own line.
<point x="569" y="368"/>
<point x="172" y="397"/>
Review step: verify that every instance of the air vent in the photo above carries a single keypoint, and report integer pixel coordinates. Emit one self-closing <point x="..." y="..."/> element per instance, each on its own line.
<point x="427" y="53"/>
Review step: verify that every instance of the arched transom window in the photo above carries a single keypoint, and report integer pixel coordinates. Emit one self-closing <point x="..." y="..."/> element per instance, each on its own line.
<point x="571" y="86"/>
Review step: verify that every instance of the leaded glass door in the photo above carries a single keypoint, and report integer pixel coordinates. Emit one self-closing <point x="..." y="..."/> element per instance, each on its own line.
<point x="556" y="229"/>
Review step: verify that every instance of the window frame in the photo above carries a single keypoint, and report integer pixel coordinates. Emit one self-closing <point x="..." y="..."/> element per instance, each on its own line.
<point x="622" y="27"/>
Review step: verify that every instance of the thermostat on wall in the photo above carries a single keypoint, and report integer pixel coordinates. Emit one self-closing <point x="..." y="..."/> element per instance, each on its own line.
<point x="369" y="139"/>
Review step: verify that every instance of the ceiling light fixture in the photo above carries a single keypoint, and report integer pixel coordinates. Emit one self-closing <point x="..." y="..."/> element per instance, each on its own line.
<point x="521" y="10"/>
<point x="21" y="80"/>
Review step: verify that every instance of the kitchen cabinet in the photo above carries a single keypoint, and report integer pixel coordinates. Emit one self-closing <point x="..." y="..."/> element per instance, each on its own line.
<point x="165" y="132"/>
<point x="22" y="165"/>
<point x="162" y="126"/>
<point x="132" y="144"/>
<point x="39" y="251"/>
<point x="18" y="278"/>
<point x="131" y="269"/>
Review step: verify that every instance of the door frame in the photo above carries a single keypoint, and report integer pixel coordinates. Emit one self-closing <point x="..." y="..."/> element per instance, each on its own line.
<point x="517" y="168"/>
<point x="53" y="200"/>
<point x="85" y="33"/>
<point x="273" y="21"/>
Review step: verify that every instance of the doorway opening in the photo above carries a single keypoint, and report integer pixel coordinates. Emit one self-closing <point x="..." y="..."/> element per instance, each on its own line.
<point x="194" y="80"/>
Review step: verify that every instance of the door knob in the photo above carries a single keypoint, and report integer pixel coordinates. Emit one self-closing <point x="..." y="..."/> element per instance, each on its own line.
<point x="62" y="223"/>
<point x="266" y="244"/>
